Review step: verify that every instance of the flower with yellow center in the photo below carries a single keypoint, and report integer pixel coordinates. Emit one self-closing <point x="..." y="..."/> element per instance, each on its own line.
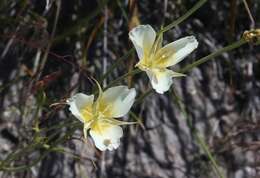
<point x="154" y="59"/>
<point x="98" y="116"/>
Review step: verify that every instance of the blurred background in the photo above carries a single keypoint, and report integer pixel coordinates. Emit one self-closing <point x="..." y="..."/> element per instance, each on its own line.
<point x="50" y="49"/>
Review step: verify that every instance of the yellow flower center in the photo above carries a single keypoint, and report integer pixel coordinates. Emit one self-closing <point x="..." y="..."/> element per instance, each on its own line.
<point x="100" y="127"/>
<point x="98" y="110"/>
<point x="87" y="113"/>
<point x="157" y="60"/>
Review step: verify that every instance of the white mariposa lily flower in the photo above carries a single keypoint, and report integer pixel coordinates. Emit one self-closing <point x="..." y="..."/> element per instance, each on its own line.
<point x="98" y="116"/>
<point x="154" y="59"/>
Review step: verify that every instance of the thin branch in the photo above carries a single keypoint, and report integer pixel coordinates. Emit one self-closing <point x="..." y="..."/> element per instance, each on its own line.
<point x="184" y="17"/>
<point x="252" y="26"/>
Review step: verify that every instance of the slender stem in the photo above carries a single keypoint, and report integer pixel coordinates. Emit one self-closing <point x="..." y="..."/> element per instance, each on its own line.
<point x="24" y="167"/>
<point x="213" y="55"/>
<point x="133" y="72"/>
<point x="140" y="99"/>
<point x="210" y="156"/>
<point x="115" y="64"/>
<point x="45" y="57"/>
<point x="184" y="17"/>
<point x="33" y="147"/>
<point x="200" y="141"/>
<point x="249" y="14"/>
<point x="83" y="22"/>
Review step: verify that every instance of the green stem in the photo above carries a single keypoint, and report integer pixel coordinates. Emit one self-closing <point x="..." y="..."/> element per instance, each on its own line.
<point x="196" y="134"/>
<point x="184" y="17"/>
<point x="84" y="22"/>
<point x="257" y="43"/>
<point x="33" y="147"/>
<point x="116" y="63"/>
<point x="45" y="56"/>
<point x="25" y="167"/>
<point x="145" y="94"/>
<point x="132" y="72"/>
<point x="210" y="156"/>
<point x="213" y="55"/>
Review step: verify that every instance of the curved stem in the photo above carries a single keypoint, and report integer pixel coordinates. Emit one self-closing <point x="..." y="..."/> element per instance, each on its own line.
<point x="194" y="131"/>
<point x="115" y="64"/>
<point x="133" y="72"/>
<point x="213" y="55"/>
<point x="184" y="17"/>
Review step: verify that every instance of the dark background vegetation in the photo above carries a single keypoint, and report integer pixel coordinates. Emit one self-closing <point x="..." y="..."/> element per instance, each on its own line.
<point x="42" y="63"/>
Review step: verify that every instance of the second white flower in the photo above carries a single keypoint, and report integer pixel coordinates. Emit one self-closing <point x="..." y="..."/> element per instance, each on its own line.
<point x="154" y="59"/>
<point x="98" y="116"/>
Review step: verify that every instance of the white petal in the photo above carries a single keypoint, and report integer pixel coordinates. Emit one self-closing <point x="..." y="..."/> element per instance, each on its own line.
<point x="78" y="102"/>
<point x="106" y="136"/>
<point x="176" y="51"/>
<point x="119" y="100"/>
<point x="143" y="37"/>
<point x="161" y="79"/>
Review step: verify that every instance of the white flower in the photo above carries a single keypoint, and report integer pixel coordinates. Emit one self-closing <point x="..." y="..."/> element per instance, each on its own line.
<point x="154" y="59"/>
<point x="98" y="115"/>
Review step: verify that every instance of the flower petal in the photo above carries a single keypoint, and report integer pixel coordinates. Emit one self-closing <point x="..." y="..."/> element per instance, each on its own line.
<point x="105" y="135"/>
<point x="79" y="102"/>
<point x="118" y="100"/>
<point x="143" y="37"/>
<point x="176" y="51"/>
<point x="161" y="79"/>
